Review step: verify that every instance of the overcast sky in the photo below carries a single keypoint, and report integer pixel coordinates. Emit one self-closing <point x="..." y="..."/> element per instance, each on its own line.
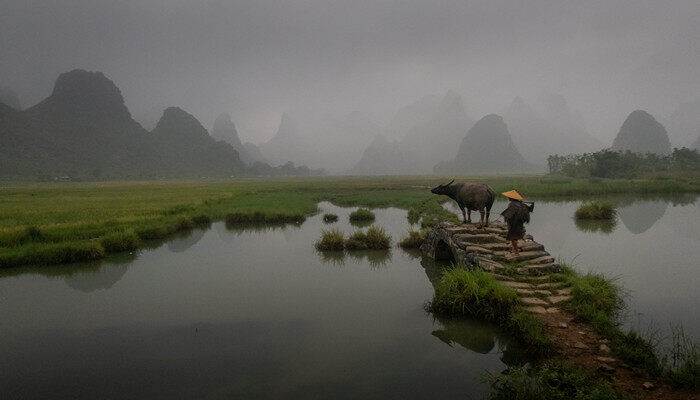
<point x="256" y="59"/>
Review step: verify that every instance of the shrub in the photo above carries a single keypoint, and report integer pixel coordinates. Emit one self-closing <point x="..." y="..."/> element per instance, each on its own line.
<point x="412" y="241"/>
<point x="331" y="240"/>
<point x="120" y="241"/>
<point x="362" y="214"/>
<point x="330" y="218"/>
<point x="596" y="210"/>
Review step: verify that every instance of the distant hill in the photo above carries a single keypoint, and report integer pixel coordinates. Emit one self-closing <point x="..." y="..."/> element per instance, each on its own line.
<point x="384" y="157"/>
<point x="641" y="133"/>
<point x="9" y="97"/>
<point x="696" y="144"/>
<point x="552" y="130"/>
<point x="225" y="130"/>
<point x="487" y="147"/>
<point x="83" y="130"/>
<point x="683" y="124"/>
<point x="434" y="139"/>
<point x="287" y="145"/>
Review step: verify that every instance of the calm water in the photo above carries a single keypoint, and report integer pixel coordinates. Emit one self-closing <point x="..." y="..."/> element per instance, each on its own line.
<point x="241" y="313"/>
<point x="258" y="313"/>
<point x="653" y="248"/>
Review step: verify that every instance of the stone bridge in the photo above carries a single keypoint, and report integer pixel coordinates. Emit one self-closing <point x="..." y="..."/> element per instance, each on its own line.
<point x="527" y="273"/>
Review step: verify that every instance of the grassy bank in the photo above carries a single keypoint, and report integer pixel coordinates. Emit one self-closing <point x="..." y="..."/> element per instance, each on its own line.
<point x="473" y="292"/>
<point x="49" y="223"/>
<point x="598" y="301"/>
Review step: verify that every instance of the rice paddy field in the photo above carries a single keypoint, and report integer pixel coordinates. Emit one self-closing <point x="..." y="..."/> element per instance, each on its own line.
<point x="54" y="223"/>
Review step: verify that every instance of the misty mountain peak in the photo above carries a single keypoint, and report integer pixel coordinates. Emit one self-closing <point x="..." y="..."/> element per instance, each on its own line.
<point x="177" y="122"/>
<point x="451" y="104"/>
<point x="519" y="107"/>
<point x="88" y="90"/>
<point x="641" y="133"/>
<point x="224" y="129"/>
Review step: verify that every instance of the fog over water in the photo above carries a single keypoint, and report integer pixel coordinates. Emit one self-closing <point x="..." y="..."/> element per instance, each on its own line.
<point x="321" y="60"/>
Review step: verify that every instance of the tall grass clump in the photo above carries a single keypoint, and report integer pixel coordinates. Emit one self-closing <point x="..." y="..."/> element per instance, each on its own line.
<point x="375" y="238"/>
<point x="594" y="299"/>
<point x="120" y="241"/>
<point x="331" y="240"/>
<point x="554" y="380"/>
<point x="682" y="367"/>
<point x="472" y="292"/>
<point x="330" y="218"/>
<point x="362" y="214"/>
<point x="412" y="241"/>
<point x="596" y="210"/>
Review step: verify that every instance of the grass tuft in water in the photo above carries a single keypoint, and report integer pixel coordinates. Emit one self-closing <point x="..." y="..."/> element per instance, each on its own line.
<point x="596" y="210"/>
<point x="412" y="241"/>
<point x="331" y="240"/>
<point x="362" y="214"/>
<point x="375" y="238"/>
<point x="330" y="218"/>
<point x="259" y="216"/>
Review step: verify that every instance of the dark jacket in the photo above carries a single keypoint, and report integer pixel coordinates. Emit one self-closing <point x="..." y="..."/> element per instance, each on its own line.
<point x="516" y="216"/>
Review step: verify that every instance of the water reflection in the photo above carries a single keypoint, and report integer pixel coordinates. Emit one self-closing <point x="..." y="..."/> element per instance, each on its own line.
<point x="596" y="226"/>
<point x="184" y="240"/>
<point x="640" y="216"/>
<point x="102" y="278"/>
<point x="361" y="224"/>
<point x="374" y="258"/>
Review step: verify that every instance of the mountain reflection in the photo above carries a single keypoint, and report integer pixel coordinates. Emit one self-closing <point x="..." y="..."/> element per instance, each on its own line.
<point x="639" y="216"/>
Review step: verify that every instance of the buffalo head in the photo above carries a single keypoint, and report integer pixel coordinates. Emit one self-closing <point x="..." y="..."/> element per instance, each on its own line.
<point x="441" y="189"/>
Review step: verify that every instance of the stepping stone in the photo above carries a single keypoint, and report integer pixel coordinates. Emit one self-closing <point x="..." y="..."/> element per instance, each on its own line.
<point x="524" y="291"/>
<point x="470" y="248"/>
<point x="565" y="291"/>
<point x="604" y="348"/>
<point x="533" y="301"/>
<point x="548" y="285"/>
<point x="541" y="260"/>
<point x="563" y="325"/>
<point x="525" y="255"/>
<point x="531" y="246"/>
<point x="536" y="309"/>
<point x="552" y="310"/>
<point x="496" y="246"/>
<point x="580" y="345"/>
<point x="548" y="268"/>
<point x="516" y="284"/>
<point x="606" y="359"/>
<point x="606" y="368"/>
<point x="558" y="299"/>
<point x="481" y="238"/>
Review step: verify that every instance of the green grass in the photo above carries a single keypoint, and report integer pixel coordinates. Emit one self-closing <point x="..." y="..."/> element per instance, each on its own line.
<point x="120" y="241"/>
<point x="552" y="380"/>
<point x="596" y="210"/>
<point x="473" y="292"/>
<point x="375" y="238"/>
<point x="36" y="216"/>
<point x="362" y="214"/>
<point x="599" y="301"/>
<point x="330" y="218"/>
<point x="412" y="241"/>
<point x="331" y="240"/>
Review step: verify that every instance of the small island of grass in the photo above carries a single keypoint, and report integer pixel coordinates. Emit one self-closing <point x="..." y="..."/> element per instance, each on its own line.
<point x="330" y="218"/>
<point x="412" y="241"/>
<point x="600" y="210"/>
<point x="331" y="240"/>
<point x="362" y="214"/>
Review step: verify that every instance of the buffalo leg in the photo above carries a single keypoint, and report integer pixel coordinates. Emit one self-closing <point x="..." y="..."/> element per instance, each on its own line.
<point x="481" y="222"/>
<point x="469" y="216"/>
<point x="464" y="216"/>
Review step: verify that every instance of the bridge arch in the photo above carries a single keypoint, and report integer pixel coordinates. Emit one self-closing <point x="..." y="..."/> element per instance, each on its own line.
<point x="443" y="252"/>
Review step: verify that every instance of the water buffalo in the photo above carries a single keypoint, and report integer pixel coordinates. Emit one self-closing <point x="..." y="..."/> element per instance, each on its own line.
<point x="469" y="197"/>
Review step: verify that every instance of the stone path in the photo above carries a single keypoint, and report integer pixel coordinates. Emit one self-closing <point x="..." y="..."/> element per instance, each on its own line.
<point x="529" y="273"/>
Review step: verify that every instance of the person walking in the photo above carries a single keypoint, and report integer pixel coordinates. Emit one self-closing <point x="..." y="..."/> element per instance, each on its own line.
<point x="516" y="215"/>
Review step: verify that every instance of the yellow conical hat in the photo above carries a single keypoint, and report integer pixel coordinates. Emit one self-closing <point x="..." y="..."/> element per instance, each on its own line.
<point x="513" y="195"/>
